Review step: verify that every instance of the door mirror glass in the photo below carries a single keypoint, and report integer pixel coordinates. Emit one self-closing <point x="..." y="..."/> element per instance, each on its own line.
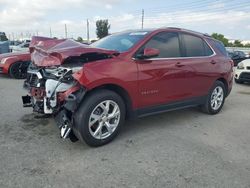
<point x="149" y="53"/>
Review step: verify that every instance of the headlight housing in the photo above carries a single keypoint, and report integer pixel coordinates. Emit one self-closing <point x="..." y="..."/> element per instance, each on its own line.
<point x="240" y="66"/>
<point x="3" y="61"/>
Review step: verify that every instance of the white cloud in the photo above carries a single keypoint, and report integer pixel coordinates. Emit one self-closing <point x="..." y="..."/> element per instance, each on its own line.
<point x="28" y="17"/>
<point x="217" y="4"/>
<point x="108" y="6"/>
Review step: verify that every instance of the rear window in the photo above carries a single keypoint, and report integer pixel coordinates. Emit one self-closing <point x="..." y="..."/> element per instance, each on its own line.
<point x="220" y="46"/>
<point x="195" y="46"/>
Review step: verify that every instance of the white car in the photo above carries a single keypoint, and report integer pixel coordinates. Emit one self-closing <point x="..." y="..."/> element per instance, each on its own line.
<point x="242" y="72"/>
<point x="23" y="47"/>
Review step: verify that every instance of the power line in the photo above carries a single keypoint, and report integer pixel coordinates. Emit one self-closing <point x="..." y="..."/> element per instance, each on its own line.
<point x="194" y="14"/>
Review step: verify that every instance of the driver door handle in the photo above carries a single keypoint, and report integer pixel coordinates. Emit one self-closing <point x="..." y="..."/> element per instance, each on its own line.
<point x="179" y="64"/>
<point x="213" y="62"/>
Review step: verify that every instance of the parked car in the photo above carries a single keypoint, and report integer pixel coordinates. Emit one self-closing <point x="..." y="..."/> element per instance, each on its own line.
<point x="237" y="56"/>
<point x="4" y="47"/>
<point x="92" y="89"/>
<point x="23" y="47"/>
<point x="15" y="64"/>
<point x="242" y="72"/>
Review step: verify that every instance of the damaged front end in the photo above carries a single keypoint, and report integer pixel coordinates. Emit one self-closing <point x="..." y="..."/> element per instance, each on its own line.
<point x="52" y="87"/>
<point x="54" y="91"/>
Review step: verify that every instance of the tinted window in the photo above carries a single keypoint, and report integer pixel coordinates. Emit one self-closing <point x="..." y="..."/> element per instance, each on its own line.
<point x="220" y="46"/>
<point x="167" y="43"/>
<point x="195" y="46"/>
<point x="120" y="42"/>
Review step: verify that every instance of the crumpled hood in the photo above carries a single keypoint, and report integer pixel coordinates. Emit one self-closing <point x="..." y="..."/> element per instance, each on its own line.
<point x="53" y="52"/>
<point x="14" y="54"/>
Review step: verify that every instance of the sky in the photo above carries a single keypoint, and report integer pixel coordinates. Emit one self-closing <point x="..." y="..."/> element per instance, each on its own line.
<point x="31" y="17"/>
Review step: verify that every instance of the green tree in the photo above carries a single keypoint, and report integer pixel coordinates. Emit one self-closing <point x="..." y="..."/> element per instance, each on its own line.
<point x="3" y="36"/>
<point x="221" y="38"/>
<point x="237" y="43"/>
<point x="102" y="28"/>
<point x="79" y="39"/>
<point x="247" y="45"/>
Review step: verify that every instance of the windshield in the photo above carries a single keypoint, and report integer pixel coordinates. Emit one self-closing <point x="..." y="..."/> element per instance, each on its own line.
<point x="120" y="42"/>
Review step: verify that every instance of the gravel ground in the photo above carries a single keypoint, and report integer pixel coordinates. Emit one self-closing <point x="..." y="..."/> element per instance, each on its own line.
<point x="184" y="148"/>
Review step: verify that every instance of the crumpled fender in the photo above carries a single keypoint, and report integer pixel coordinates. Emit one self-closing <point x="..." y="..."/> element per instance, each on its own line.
<point x="53" y="52"/>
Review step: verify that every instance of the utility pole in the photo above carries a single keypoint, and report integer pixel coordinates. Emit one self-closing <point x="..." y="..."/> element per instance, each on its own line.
<point x="21" y="36"/>
<point x="50" y="32"/>
<point x="66" y="32"/>
<point x="36" y="32"/>
<point x="88" y="30"/>
<point x="142" y="18"/>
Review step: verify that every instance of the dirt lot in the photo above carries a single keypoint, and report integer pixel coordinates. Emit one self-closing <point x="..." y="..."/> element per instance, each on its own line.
<point x="178" y="149"/>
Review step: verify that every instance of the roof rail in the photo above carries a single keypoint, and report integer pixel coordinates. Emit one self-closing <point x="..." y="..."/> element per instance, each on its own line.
<point x="188" y="30"/>
<point x="174" y="28"/>
<point x="207" y="35"/>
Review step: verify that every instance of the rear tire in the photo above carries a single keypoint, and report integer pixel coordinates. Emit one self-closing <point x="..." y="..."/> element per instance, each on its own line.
<point x="18" y="70"/>
<point x="93" y="119"/>
<point x="215" y="99"/>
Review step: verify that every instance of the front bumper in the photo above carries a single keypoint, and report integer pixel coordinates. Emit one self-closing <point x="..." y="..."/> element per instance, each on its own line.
<point x="65" y="118"/>
<point x="3" y="69"/>
<point x="242" y="74"/>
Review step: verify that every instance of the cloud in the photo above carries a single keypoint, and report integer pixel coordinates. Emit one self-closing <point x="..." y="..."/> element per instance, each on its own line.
<point x="108" y="6"/>
<point x="39" y="15"/>
<point x="23" y="14"/>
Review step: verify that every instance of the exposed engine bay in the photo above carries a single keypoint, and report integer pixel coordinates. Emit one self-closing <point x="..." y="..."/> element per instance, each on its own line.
<point x="48" y="87"/>
<point x="44" y="86"/>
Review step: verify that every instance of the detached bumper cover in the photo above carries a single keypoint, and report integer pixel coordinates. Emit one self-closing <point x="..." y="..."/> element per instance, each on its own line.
<point x="65" y="117"/>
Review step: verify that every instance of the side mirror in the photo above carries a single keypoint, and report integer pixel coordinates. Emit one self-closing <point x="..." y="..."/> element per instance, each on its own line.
<point x="149" y="53"/>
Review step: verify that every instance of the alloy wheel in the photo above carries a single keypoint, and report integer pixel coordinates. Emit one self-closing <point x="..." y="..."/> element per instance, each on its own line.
<point x="104" y="119"/>
<point x="217" y="98"/>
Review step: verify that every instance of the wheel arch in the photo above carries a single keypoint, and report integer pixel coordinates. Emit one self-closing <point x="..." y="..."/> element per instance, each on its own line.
<point x="224" y="81"/>
<point x="121" y="92"/>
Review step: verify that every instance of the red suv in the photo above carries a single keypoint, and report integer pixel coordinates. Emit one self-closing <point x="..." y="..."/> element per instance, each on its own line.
<point x="91" y="90"/>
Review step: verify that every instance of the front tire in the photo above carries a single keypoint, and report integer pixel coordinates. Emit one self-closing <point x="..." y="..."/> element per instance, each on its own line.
<point x="18" y="70"/>
<point x="215" y="99"/>
<point x="100" y="117"/>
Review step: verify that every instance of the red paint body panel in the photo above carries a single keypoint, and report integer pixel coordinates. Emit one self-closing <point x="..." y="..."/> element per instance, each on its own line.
<point x="13" y="58"/>
<point x="53" y="52"/>
<point x="147" y="82"/>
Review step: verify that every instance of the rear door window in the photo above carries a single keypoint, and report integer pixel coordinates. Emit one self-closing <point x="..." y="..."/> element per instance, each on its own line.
<point x="195" y="46"/>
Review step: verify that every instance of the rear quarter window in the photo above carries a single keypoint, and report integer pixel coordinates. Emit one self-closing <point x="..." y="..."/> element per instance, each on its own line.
<point x="219" y="46"/>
